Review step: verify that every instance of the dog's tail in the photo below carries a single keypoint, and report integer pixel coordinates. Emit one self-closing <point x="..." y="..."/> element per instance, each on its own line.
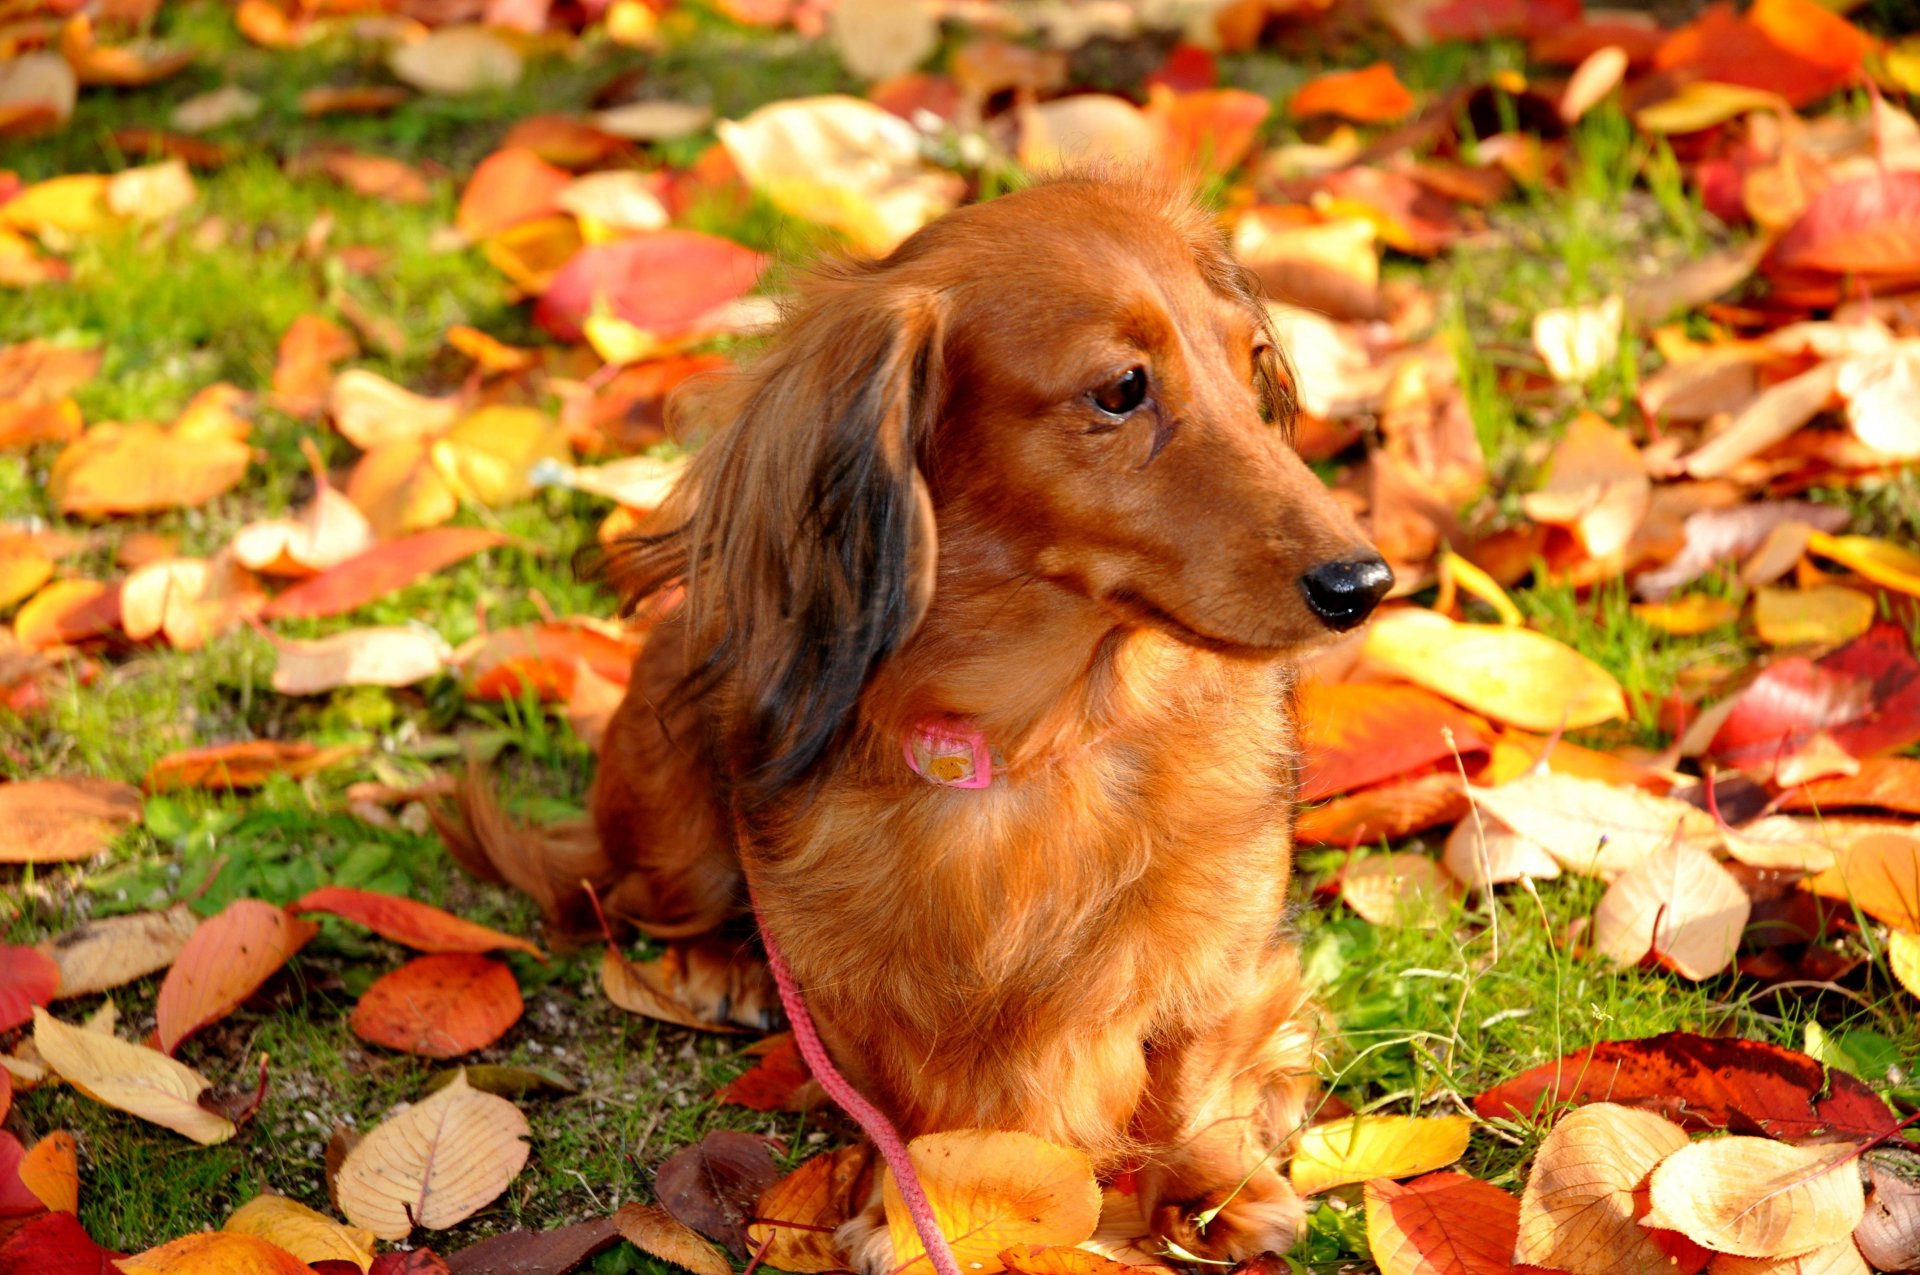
<point x="557" y="865"/>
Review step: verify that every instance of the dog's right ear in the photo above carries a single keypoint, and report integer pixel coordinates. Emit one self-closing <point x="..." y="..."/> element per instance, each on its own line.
<point x="804" y="529"/>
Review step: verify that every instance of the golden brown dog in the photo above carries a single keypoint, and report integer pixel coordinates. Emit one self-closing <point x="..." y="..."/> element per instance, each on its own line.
<point x="994" y="564"/>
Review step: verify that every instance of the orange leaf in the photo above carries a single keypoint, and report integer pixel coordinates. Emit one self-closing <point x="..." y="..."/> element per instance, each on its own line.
<point x="440" y="1006"/>
<point x="215" y="1253"/>
<point x="1371" y="96"/>
<point x="1882" y="783"/>
<point x="226" y="961"/>
<point x="1389" y="810"/>
<point x="357" y="99"/>
<point x="1209" y="131"/>
<point x="417" y="925"/>
<point x="141" y="467"/>
<point x="1055" y="1259"/>
<point x="653" y="1230"/>
<point x="796" y="1217"/>
<point x="670" y="284"/>
<point x="508" y="187"/>
<point x="309" y="349"/>
<point x="59" y="820"/>
<point x="377" y="176"/>
<point x="1442" y="1224"/>
<point x="379" y="571"/>
<point x="1869" y="225"/>
<point x="247" y="764"/>
<point x="67" y="611"/>
<point x="52" y="1172"/>
<point x="42" y="372"/>
<point x="1353" y="734"/>
<point x="771" y="1083"/>
<point x="544" y="656"/>
<point x="1879" y="873"/>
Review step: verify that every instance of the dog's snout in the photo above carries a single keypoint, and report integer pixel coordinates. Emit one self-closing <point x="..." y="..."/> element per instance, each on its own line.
<point x="1345" y="593"/>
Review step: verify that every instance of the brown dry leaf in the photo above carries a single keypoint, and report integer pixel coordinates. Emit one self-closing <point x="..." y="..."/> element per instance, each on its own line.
<point x="38" y="92"/>
<point x="798" y="1215"/>
<point x="1755" y="1197"/>
<point x="653" y="1230"/>
<point x="1677" y="903"/>
<point x="51" y="1171"/>
<point x="1578" y="1209"/>
<point x="216" y="108"/>
<point x="1578" y="342"/>
<point x="1357" y="1148"/>
<point x="1484" y="852"/>
<point x="1596" y="484"/>
<point x="991" y="1191"/>
<point x="1594" y="828"/>
<point x="1825" y="615"/>
<point x="1402" y="889"/>
<point x="225" y="961"/>
<point x="131" y="1078"/>
<point x="113" y="951"/>
<point x="247" y="764"/>
<point x="215" y="1253"/>
<point x="60" y="820"/>
<point x="1054" y="1259"/>
<point x="435" y="1164"/>
<point x="142" y="467"/>
<point x="1880" y="874"/>
<point x="308" y="1235"/>
<point x="393" y="655"/>
<point x="644" y="988"/>
<point x="456" y="60"/>
<point x="1512" y="675"/>
<point x="1768" y="419"/>
<point x="374" y="176"/>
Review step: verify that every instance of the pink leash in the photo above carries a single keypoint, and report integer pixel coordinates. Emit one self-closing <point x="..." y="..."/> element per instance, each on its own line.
<point x="864" y="1113"/>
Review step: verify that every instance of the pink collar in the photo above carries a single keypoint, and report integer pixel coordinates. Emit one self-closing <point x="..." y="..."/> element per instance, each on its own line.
<point x="949" y="752"/>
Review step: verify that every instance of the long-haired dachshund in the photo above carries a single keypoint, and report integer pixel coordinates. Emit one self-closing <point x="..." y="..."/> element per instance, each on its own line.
<point x="994" y="564"/>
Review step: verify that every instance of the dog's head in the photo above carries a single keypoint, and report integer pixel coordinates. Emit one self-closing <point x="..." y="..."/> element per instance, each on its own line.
<point x="1077" y="373"/>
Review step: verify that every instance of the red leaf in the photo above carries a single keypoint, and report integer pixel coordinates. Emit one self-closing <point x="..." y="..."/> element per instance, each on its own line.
<point x="440" y="1006"/>
<point x="1701" y="1082"/>
<point x="508" y="187"/>
<point x="420" y="926"/>
<point x="55" y="1244"/>
<point x="1486" y="19"/>
<point x="1444" y="1222"/>
<point x="1789" y="47"/>
<point x="28" y="977"/>
<point x="380" y="571"/>
<point x="420" y="1261"/>
<point x="771" y="1083"/>
<point x="15" y="1199"/>
<point x="544" y="657"/>
<point x="1210" y="130"/>
<point x="1188" y="68"/>
<point x="225" y="961"/>
<point x="247" y="764"/>
<point x="666" y="283"/>
<point x="1870" y="225"/>
<point x="1866" y="696"/>
<point x="1354" y="733"/>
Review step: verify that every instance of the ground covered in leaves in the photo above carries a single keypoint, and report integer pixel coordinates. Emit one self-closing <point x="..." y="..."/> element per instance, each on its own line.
<point x="331" y="332"/>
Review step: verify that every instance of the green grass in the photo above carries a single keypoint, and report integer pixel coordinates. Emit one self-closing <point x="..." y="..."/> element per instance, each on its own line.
<point x="1426" y="1018"/>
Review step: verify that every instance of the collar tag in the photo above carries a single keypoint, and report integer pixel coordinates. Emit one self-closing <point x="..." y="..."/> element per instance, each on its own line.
<point x="949" y="754"/>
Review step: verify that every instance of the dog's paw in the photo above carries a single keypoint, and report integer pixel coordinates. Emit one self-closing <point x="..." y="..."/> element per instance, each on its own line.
<point x="1260" y="1217"/>
<point x="865" y="1240"/>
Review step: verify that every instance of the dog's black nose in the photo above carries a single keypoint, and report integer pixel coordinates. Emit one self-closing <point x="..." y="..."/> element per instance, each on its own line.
<point x="1345" y="593"/>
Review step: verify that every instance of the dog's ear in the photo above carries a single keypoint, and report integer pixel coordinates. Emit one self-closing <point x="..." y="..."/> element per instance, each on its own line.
<point x="804" y="529"/>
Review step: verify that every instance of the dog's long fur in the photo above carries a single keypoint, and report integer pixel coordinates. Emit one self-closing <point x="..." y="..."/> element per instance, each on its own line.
<point x="910" y="506"/>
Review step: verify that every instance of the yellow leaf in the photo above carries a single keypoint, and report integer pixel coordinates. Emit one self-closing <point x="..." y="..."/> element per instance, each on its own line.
<point x="132" y="1078"/>
<point x="531" y="252"/>
<point x="23" y="569"/>
<point x="653" y="1230"/>
<point x="108" y="953"/>
<point x="1888" y="565"/>
<point x="71" y="205"/>
<point x="152" y="193"/>
<point x="1578" y="1209"/>
<point x="1755" y="1197"/>
<point x="1842" y="1257"/>
<point x="308" y="1235"/>
<point x="1400" y="889"/>
<point x="1360" y="1147"/>
<point x="1880" y="873"/>
<point x="1694" y="613"/>
<point x="399" y="490"/>
<point x="1903" y="958"/>
<point x="620" y="342"/>
<point x="215" y="1253"/>
<point x="372" y="411"/>
<point x="142" y="467"/>
<point x="1591" y="827"/>
<point x="1579" y="341"/>
<point x="486" y="457"/>
<point x="991" y="1191"/>
<point x="1511" y="675"/>
<point x="1824" y="615"/>
<point x="1702" y="104"/>
<point x="435" y="1164"/>
<point x="799" y="1213"/>
<point x="1677" y="903"/>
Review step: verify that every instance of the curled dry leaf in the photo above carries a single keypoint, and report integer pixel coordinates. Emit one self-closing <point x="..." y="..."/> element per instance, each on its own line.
<point x="652" y="989"/>
<point x="796" y="1217"/>
<point x="1512" y="675"/>
<point x="28" y="978"/>
<point x="112" y="951"/>
<point x="247" y="764"/>
<point x="1755" y="1197"/>
<point x="435" y="1164"/>
<point x="215" y="1251"/>
<point x="1578" y="1211"/>
<point x="309" y="1235"/>
<point x="1357" y="1148"/>
<point x="991" y="1191"/>
<point x="420" y="926"/>
<point x="131" y="1078"/>
<point x="225" y="961"/>
<point x="390" y="655"/>
<point x="652" y="1229"/>
<point x="440" y="1006"/>
<point x="1678" y="904"/>
<point x="60" y="820"/>
<point x="1441" y="1224"/>
<point x="1591" y="827"/>
<point x="1400" y="889"/>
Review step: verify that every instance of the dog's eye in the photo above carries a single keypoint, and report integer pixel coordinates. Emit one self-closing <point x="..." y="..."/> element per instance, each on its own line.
<point x="1124" y="393"/>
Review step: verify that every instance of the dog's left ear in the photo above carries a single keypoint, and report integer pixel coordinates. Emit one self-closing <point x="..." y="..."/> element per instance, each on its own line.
<point x="814" y="543"/>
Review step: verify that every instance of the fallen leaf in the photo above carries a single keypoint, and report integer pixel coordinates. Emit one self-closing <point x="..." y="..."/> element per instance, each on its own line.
<point x="38" y="92"/>
<point x="1680" y="905"/>
<point x="1373" y="95"/>
<point x="308" y="1235"/>
<point x="508" y="187"/>
<point x="439" y="1006"/>
<point x="1484" y="852"/>
<point x="304" y="368"/>
<point x="51" y="1170"/>
<point x="1578" y="1210"/>
<point x="457" y="60"/>
<point x="1594" y="828"/>
<point x="247" y="764"/>
<point x="215" y="1253"/>
<point x="380" y="571"/>
<point x="1716" y="536"/>
<point x="1385" y="811"/>
<point x="1596" y="484"/>
<point x="112" y="951"/>
<point x="795" y="1218"/>
<point x="1758" y="1198"/>
<point x="1889" y="1233"/>
<point x="1885" y="783"/>
<point x="555" y="1252"/>
<point x="61" y="820"/>
<point x="1441" y="1224"/>
<point x="225" y="961"/>
<point x="188" y="601"/>
<point x="507" y="1082"/>
<point x="1864" y="697"/>
<point x="1592" y="81"/>
<point x="16" y="1200"/>
<point x="1882" y="392"/>
<point x="1685" y="616"/>
<point x="876" y="39"/>
<point x="420" y="926"/>
<point x="1353" y="734"/>
<point x="28" y="978"/>
<point x="1087" y="129"/>
<point x="1579" y="342"/>
<point x="1357" y="1148"/>
<point x="55" y="1244"/>
<point x="1865" y="226"/>
<point x="1401" y="889"/>
<point x="775" y="1082"/>
<point x="1879" y="874"/>
<point x="1057" y="1259"/>
<point x="713" y="1185"/>
<point x="434" y="1164"/>
<point x="131" y="1078"/>
<point x="1883" y="562"/>
<point x="1511" y="675"/>
<point x="394" y="655"/>
<point x="648" y="988"/>
<point x="1824" y="615"/>
<point x="356" y="99"/>
<point x="143" y="467"/>
<point x="372" y="412"/>
<point x="153" y="192"/>
<point x="1703" y="103"/>
<point x="671" y="285"/>
<point x="991" y="1191"/>
<point x="653" y="1230"/>
<point x="1767" y="420"/>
